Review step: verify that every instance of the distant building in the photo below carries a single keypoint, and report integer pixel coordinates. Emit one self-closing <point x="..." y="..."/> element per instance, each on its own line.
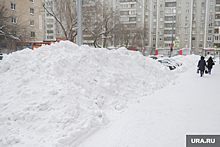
<point x="27" y="17"/>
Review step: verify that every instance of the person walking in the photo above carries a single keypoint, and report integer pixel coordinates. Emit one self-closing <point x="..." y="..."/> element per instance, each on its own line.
<point x="201" y="65"/>
<point x="210" y="64"/>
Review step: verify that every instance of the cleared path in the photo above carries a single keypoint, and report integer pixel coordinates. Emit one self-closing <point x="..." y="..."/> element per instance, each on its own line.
<point x="191" y="105"/>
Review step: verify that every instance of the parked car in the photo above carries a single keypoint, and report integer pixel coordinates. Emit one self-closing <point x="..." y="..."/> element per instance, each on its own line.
<point x="173" y="61"/>
<point x="167" y="63"/>
<point x="154" y="57"/>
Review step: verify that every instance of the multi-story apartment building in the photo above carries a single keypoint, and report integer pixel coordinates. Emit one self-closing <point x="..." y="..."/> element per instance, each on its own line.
<point x="26" y="17"/>
<point x="194" y="22"/>
<point x="49" y="22"/>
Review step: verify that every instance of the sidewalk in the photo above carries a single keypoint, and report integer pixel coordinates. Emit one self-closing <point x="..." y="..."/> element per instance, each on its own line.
<point x="191" y="105"/>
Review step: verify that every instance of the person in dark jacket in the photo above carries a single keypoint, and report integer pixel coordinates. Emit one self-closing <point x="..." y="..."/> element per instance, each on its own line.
<point x="201" y="66"/>
<point x="210" y="64"/>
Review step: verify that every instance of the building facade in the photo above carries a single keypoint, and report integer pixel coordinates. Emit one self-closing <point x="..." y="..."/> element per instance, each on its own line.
<point x="26" y="19"/>
<point x="193" y="22"/>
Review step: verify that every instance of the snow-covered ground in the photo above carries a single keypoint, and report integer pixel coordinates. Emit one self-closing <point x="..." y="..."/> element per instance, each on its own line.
<point x="65" y="96"/>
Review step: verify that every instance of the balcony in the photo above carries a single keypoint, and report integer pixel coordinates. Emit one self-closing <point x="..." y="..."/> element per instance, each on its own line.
<point x="125" y="1"/>
<point x="170" y="0"/>
<point x="170" y="4"/>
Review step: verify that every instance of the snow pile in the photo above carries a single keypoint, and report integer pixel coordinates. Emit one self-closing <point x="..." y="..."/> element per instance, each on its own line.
<point x="56" y="95"/>
<point x="188" y="61"/>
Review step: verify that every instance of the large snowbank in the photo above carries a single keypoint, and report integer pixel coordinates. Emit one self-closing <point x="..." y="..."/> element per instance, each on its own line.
<point x="56" y="95"/>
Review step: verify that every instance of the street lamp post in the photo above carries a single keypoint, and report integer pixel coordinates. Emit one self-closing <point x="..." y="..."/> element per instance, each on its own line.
<point x="79" y="23"/>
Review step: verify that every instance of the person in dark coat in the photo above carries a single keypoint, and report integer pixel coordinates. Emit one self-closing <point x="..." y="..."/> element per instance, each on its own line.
<point x="210" y="64"/>
<point x="201" y="66"/>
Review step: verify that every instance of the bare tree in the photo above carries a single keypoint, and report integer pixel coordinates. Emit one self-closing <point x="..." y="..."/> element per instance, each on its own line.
<point x="7" y="31"/>
<point x="102" y="25"/>
<point x="11" y="33"/>
<point x="65" y="14"/>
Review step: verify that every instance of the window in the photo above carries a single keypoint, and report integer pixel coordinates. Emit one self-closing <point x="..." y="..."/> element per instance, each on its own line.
<point x="180" y="4"/>
<point x="193" y="45"/>
<point x="193" y="38"/>
<point x="194" y="25"/>
<point x="139" y="6"/>
<point x="161" y="32"/>
<point x="179" y="25"/>
<point x="50" y="31"/>
<point x="31" y="11"/>
<point x="161" y="12"/>
<point x="178" y="32"/>
<point x="193" y="32"/>
<point x="155" y="20"/>
<point x="124" y="12"/>
<point x="139" y="12"/>
<point x="14" y="19"/>
<point x="179" y="18"/>
<point x="195" y="4"/>
<point x="160" y="39"/>
<point x="187" y="3"/>
<point x="161" y="5"/>
<point x="210" y="24"/>
<point x="146" y="19"/>
<point x="146" y="13"/>
<point x="200" y="45"/>
<point x="194" y="11"/>
<point x="210" y="31"/>
<point x="146" y="6"/>
<point x="202" y="18"/>
<point x="139" y="25"/>
<point x="187" y="18"/>
<point x="194" y="18"/>
<point x="179" y="11"/>
<point x="186" y="24"/>
<point x="201" y="32"/>
<point x="186" y="45"/>
<point x="32" y="22"/>
<point x="202" y="11"/>
<point x="49" y="26"/>
<point x="209" y="38"/>
<point x="210" y="17"/>
<point x="203" y="4"/>
<point x="211" y="3"/>
<point x="49" y="37"/>
<point x="154" y="26"/>
<point x="155" y="6"/>
<point x="187" y="11"/>
<point x="13" y="6"/>
<point x="32" y="34"/>
<point x="201" y="39"/>
<point x="132" y="18"/>
<point x="161" y="26"/>
<point x="186" y="32"/>
<point x="202" y="25"/>
<point x="154" y="39"/>
<point x="161" y="19"/>
<point x="211" y="10"/>
<point x="139" y="19"/>
<point x="124" y="18"/>
<point x="32" y="1"/>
